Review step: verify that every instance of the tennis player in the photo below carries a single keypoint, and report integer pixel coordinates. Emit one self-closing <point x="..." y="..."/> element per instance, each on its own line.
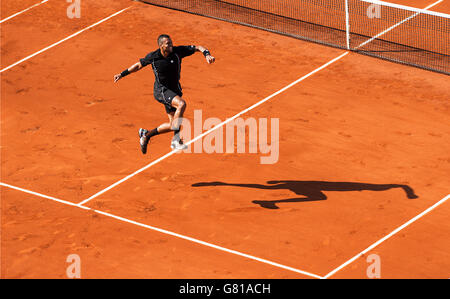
<point x="166" y="64"/>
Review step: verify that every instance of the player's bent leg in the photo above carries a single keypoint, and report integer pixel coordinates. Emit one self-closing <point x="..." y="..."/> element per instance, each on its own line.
<point x="145" y="135"/>
<point x="176" y="121"/>
<point x="180" y="105"/>
<point x="166" y="127"/>
<point x="170" y="115"/>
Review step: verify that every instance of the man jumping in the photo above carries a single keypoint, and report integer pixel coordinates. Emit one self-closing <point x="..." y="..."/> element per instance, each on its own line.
<point x="166" y="64"/>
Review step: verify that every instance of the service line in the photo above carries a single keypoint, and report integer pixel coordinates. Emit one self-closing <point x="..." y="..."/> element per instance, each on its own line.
<point x="163" y="231"/>
<point x="398" y="229"/>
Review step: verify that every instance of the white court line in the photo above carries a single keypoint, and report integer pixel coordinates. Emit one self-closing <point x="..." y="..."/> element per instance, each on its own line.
<point x="398" y="24"/>
<point x="20" y="12"/>
<point x="163" y="231"/>
<point x="409" y="8"/>
<point x="42" y="195"/>
<point x="214" y="128"/>
<point x="266" y="99"/>
<point x="200" y="136"/>
<point x="388" y="236"/>
<point x="425" y="212"/>
<point x="244" y="111"/>
<point x="63" y="40"/>
<point x="440" y="202"/>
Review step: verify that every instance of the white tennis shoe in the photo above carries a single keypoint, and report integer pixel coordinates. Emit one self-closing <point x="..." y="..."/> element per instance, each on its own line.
<point x="177" y="143"/>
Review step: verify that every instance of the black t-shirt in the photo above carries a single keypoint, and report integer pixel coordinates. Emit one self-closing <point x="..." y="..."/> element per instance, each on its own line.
<point x="167" y="70"/>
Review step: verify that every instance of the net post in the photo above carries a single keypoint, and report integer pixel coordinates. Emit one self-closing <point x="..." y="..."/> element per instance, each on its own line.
<point x="347" y="25"/>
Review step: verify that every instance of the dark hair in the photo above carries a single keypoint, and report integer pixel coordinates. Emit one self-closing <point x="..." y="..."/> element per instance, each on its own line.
<point x="160" y="38"/>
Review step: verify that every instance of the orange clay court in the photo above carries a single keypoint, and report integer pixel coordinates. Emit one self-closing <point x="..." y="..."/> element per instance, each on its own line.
<point x="368" y="137"/>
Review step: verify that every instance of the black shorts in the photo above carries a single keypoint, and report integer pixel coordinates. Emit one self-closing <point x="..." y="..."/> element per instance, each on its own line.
<point x="165" y="97"/>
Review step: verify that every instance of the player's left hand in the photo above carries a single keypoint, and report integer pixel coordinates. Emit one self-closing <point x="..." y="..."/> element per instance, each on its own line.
<point x="210" y="59"/>
<point x="117" y="77"/>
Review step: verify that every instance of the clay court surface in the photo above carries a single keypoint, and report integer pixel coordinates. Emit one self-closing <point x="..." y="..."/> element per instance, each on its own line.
<point x="353" y="132"/>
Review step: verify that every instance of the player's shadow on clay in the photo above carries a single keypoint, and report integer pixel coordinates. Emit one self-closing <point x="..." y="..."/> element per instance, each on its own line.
<point x="310" y="190"/>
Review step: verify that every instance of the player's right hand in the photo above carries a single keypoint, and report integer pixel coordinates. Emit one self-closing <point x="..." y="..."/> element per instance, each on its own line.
<point x="117" y="77"/>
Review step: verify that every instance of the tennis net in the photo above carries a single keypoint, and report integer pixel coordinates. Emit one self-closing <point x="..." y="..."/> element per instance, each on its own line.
<point x="389" y="31"/>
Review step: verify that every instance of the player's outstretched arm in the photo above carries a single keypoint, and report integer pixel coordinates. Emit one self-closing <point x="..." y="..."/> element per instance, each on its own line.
<point x="134" y="68"/>
<point x="209" y="58"/>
